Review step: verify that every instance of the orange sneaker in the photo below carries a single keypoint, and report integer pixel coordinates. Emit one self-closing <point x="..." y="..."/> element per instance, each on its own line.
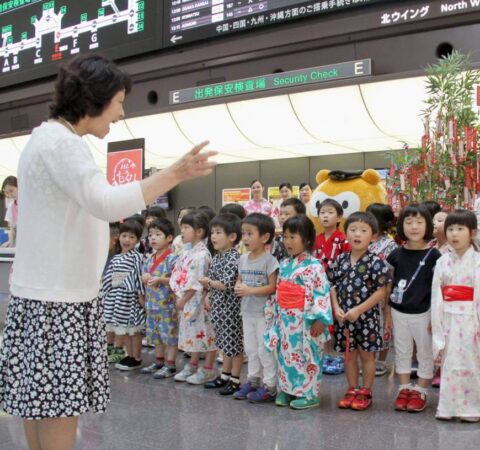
<point x="348" y="398"/>
<point x="363" y="400"/>
<point x="402" y="400"/>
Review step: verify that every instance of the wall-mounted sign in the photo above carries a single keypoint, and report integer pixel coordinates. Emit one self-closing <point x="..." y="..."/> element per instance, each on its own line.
<point x="125" y="161"/>
<point x="236" y="195"/>
<point x="313" y="75"/>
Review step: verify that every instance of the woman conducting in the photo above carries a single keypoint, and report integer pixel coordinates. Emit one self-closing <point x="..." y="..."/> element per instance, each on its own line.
<point x="53" y="361"/>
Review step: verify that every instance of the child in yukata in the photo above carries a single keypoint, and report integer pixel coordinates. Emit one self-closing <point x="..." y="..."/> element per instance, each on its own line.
<point x="302" y="315"/>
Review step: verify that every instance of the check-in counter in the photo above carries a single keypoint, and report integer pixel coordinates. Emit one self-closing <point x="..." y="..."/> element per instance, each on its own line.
<point x="7" y="256"/>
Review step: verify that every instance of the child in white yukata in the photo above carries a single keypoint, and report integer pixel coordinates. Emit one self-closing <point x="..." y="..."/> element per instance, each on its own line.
<point x="455" y="320"/>
<point x="196" y="333"/>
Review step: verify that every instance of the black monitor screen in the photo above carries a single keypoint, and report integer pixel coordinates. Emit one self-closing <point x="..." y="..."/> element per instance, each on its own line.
<point x="192" y="20"/>
<point x="38" y="34"/>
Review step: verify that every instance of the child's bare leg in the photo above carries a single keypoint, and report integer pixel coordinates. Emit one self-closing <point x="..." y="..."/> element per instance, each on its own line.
<point x="128" y="344"/>
<point x="160" y="351"/>
<point x="368" y="368"/>
<point x="172" y="351"/>
<point x="136" y="341"/>
<point x="237" y="363"/>
<point x="382" y="355"/>
<point x="351" y="368"/>
<point x="227" y="364"/>
<point x="210" y="359"/>
<point x="110" y="338"/>
<point x="119" y="340"/>
<point x="194" y="358"/>
<point x="328" y="347"/>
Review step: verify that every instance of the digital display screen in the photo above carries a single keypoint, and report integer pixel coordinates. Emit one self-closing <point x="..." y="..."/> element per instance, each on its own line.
<point x="38" y="34"/>
<point x="192" y="20"/>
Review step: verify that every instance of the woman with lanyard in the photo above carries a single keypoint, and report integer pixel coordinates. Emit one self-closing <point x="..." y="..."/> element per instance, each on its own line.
<point x="53" y="360"/>
<point x="258" y="204"/>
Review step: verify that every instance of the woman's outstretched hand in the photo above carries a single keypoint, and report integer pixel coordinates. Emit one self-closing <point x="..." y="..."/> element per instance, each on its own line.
<point x="196" y="163"/>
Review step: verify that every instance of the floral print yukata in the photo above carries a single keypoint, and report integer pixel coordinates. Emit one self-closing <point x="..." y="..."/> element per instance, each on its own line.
<point x="196" y="330"/>
<point x="300" y="354"/>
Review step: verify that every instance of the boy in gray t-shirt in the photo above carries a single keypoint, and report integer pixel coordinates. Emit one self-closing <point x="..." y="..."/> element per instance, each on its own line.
<point x="257" y="278"/>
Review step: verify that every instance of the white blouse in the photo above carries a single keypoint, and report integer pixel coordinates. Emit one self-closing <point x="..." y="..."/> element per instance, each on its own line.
<point x="65" y="204"/>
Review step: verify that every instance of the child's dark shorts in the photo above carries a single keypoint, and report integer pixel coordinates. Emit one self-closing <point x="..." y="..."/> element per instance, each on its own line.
<point x="365" y="334"/>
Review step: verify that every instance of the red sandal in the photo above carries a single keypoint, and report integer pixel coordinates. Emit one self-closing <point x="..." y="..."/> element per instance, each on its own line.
<point x="348" y="398"/>
<point x="363" y="400"/>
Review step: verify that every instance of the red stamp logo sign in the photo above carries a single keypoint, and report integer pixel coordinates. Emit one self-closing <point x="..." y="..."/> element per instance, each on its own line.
<point x="124" y="167"/>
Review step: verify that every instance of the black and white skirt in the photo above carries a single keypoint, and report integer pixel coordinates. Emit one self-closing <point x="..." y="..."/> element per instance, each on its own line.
<point x="53" y="360"/>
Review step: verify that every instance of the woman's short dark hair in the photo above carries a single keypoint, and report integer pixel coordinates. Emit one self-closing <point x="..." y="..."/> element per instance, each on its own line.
<point x="85" y="87"/>
<point x="256" y="181"/>
<point x="163" y="225"/>
<point x="412" y="210"/>
<point x="156" y="211"/>
<point x="364" y="217"/>
<point x="384" y="215"/>
<point x="462" y="217"/>
<point x="229" y="223"/>
<point x="190" y="209"/>
<point x="302" y="185"/>
<point x="234" y="208"/>
<point x="296" y="204"/>
<point x="287" y="185"/>
<point x="303" y="226"/>
<point x="9" y="181"/>
<point x="263" y="223"/>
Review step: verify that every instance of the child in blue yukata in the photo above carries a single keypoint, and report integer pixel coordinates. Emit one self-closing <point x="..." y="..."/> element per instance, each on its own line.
<point x="162" y="317"/>
<point x="302" y="314"/>
<point x="359" y="284"/>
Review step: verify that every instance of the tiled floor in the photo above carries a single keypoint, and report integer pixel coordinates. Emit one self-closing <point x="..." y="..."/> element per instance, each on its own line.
<point x="148" y="414"/>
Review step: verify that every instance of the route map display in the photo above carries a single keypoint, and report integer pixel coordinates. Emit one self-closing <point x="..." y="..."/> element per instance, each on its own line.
<point x="37" y="34"/>
<point x="192" y="20"/>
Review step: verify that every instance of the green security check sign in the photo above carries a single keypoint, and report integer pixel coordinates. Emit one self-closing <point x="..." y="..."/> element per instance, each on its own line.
<point x="313" y="75"/>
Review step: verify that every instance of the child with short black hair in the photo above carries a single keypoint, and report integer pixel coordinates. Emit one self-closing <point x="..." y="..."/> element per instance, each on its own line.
<point x="225" y="233"/>
<point x="409" y="305"/>
<point x="360" y="280"/>
<point x="440" y="241"/>
<point x="289" y="208"/>
<point x="302" y="314"/>
<point x="455" y="320"/>
<point x="257" y="277"/>
<point x="328" y="246"/>
<point x="123" y="294"/>
<point x="161" y="312"/>
<point x="196" y="333"/>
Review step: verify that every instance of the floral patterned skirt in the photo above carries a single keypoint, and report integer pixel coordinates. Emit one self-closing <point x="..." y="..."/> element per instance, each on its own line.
<point x="53" y="360"/>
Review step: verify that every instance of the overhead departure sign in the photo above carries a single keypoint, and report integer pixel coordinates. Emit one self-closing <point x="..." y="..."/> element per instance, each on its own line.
<point x="37" y="34"/>
<point x="192" y="20"/>
<point x="313" y="75"/>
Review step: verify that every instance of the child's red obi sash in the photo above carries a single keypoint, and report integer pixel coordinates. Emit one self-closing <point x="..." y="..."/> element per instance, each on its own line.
<point x="290" y="295"/>
<point x="455" y="293"/>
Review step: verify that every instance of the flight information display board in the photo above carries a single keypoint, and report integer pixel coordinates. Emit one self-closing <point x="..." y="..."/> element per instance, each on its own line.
<point x="38" y="34"/>
<point x="192" y="20"/>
